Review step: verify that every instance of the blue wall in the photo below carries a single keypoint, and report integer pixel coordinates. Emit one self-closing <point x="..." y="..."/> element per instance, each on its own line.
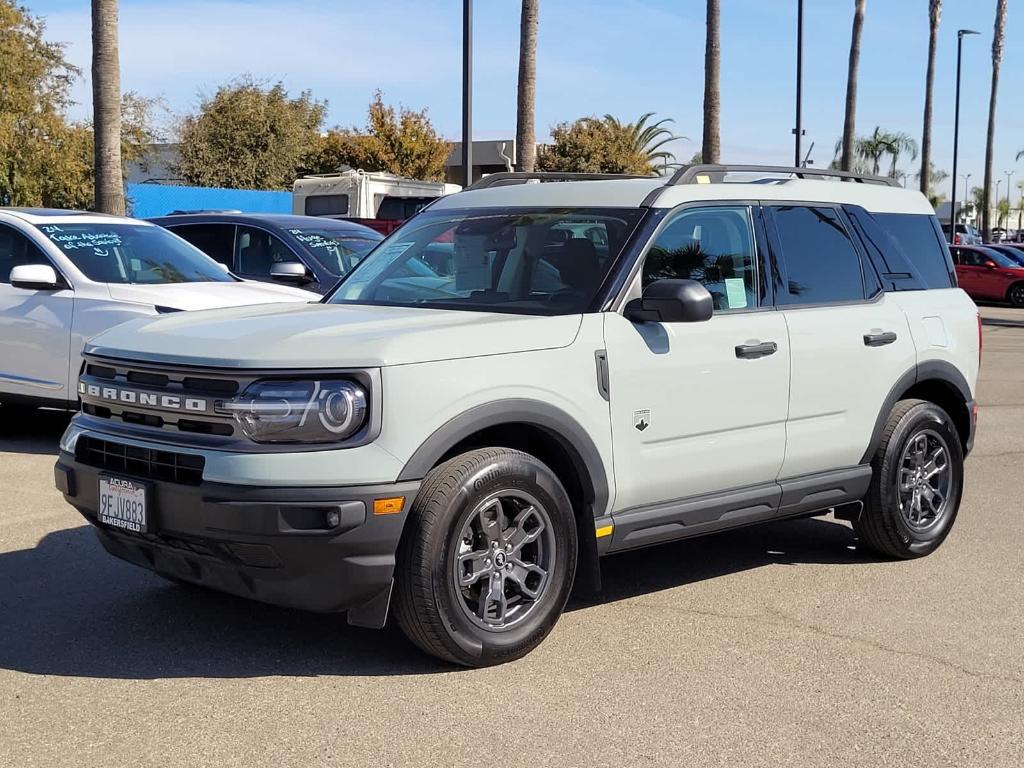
<point x="160" y="199"/>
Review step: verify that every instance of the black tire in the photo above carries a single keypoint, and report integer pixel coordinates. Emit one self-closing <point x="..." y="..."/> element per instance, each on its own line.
<point x="1015" y="295"/>
<point x="430" y="606"/>
<point x="883" y="525"/>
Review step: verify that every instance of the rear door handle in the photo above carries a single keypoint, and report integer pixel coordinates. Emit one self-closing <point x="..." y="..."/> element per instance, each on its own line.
<point x="753" y="351"/>
<point x="879" y="339"/>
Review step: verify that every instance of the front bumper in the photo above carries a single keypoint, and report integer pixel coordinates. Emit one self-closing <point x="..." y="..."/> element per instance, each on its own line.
<point x="268" y="544"/>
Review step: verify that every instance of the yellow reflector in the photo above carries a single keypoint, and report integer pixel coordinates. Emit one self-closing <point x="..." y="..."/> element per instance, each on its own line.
<point x="390" y="506"/>
<point x="604" y="530"/>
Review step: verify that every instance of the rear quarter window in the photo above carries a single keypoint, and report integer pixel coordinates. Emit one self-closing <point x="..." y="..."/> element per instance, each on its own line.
<point x="918" y="237"/>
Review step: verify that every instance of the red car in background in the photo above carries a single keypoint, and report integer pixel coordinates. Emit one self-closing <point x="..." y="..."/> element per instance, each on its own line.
<point x="985" y="273"/>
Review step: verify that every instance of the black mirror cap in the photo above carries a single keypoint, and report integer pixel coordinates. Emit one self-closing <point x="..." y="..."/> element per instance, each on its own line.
<point x="672" y="301"/>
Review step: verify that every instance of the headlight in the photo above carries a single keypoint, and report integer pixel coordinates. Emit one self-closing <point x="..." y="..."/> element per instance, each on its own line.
<point x="319" y="411"/>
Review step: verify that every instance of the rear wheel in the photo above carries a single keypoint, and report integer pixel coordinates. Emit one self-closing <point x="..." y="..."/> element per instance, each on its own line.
<point x="486" y="562"/>
<point x="917" y="483"/>
<point x="1016" y="294"/>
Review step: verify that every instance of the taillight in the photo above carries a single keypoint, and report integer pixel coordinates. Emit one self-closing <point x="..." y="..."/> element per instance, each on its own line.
<point x="980" y="342"/>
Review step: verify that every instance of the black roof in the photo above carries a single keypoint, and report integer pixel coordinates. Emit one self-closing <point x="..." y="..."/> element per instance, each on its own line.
<point x="271" y="220"/>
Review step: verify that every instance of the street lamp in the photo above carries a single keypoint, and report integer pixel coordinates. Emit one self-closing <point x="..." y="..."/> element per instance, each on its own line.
<point x="956" y="127"/>
<point x="467" y="92"/>
<point x="798" y="131"/>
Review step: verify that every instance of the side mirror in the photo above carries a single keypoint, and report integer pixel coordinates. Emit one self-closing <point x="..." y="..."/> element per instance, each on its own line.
<point x="290" y="272"/>
<point x="990" y="264"/>
<point x="35" y="277"/>
<point x="672" y="301"/>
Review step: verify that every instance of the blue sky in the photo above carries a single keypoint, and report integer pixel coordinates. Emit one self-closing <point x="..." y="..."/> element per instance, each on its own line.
<point x="620" y="56"/>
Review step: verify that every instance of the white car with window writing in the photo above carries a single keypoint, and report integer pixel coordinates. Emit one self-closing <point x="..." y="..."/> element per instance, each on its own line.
<point x="66" y="276"/>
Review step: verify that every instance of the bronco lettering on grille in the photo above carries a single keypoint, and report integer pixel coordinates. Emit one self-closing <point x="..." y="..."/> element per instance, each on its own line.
<point x="133" y="397"/>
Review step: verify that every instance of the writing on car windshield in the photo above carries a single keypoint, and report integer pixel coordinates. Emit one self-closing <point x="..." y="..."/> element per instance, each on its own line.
<point x="524" y="261"/>
<point x="337" y="251"/>
<point x="132" y="253"/>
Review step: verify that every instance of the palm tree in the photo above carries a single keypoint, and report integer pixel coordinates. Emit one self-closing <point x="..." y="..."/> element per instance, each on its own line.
<point x="645" y="140"/>
<point x="870" y="150"/>
<point x="1020" y="155"/>
<point x="526" y="141"/>
<point x="106" y="109"/>
<point x="899" y="144"/>
<point x="711" y="147"/>
<point x="934" y="17"/>
<point x="998" y="41"/>
<point x="1003" y="209"/>
<point x="849" y="125"/>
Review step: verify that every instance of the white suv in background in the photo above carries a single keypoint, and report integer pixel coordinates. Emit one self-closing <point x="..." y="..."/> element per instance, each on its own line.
<point x="66" y="276"/>
<point x="528" y="376"/>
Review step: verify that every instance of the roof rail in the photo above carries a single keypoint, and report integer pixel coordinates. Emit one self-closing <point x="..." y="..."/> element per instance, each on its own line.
<point x="506" y="178"/>
<point x="695" y="174"/>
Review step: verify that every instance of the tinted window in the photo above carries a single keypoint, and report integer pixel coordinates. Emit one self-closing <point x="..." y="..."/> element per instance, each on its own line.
<point x="493" y="260"/>
<point x="215" y="240"/>
<point x="401" y="208"/>
<point x="715" y="247"/>
<point x="915" y="236"/>
<point x="259" y="250"/>
<point x="821" y="264"/>
<point x="15" y="250"/>
<point x="327" y="205"/>
<point x="133" y="253"/>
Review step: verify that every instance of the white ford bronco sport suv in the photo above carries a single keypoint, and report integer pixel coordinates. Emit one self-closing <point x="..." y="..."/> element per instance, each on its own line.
<point x="528" y="376"/>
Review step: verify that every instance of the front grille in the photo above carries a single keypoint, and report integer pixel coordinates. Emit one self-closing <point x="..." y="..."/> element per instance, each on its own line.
<point x="145" y="463"/>
<point x="149" y="385"/>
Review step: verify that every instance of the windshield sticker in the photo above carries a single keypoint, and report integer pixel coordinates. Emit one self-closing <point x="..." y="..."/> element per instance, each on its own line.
<point x="735" y="292"/>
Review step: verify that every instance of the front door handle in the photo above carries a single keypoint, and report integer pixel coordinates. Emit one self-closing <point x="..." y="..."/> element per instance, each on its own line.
<point x="879" y="339"/>
<point x="753" y="351"/>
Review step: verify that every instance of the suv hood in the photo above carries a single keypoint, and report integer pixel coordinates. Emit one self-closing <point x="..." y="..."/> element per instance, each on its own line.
<point x="298" y="336"/>
<point x="207" y="295"/>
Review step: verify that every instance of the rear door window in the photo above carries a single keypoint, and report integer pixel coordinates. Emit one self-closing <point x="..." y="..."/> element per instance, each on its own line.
<point x="820" y="263"/>
<point x="215" y="240"/>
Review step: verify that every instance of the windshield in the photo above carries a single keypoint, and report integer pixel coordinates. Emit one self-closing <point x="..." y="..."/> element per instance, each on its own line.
<point x="526" y="261"/>
<point x="336" y="250"/>
<point x="133" y="253"/>
<point x="999" y="258"/>
<point x="1013" y="255"/>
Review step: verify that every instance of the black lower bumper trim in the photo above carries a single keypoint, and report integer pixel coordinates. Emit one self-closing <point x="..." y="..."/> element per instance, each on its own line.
<point x="318" y="549"/>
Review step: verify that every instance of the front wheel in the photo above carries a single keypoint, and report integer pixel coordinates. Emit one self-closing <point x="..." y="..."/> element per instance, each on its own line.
<point x="487" y="558"/>
<point x="916" y="485"/>
<point x="1016" y="294"/>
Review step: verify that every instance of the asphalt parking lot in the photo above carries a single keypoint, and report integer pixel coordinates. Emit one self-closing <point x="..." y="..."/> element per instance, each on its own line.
<point x="776" y="645"/>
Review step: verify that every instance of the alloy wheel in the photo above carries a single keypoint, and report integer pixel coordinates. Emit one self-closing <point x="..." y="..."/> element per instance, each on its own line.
<point x="504" y="559"/>
<point x="924" y="481"/>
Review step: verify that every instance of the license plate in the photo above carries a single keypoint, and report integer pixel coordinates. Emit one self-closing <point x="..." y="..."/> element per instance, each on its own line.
<point x="122" y="504"/>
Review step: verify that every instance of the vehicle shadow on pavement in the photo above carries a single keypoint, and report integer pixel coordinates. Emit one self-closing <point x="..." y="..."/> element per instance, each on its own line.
<point x="67" y="608"/>
<point x="1003" y="323"/>
<point x="31" y="430"/>
<point x="817" y="540"/>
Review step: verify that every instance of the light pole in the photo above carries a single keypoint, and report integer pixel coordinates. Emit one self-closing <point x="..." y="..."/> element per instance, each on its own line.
<point x="798" y="131"/>
<point x="1008" y="195"/>
<point x="998" y="182"/>
<point x="966" y="177"/>
<point x="956" y="127"/>
<point x="467" y="92"/>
